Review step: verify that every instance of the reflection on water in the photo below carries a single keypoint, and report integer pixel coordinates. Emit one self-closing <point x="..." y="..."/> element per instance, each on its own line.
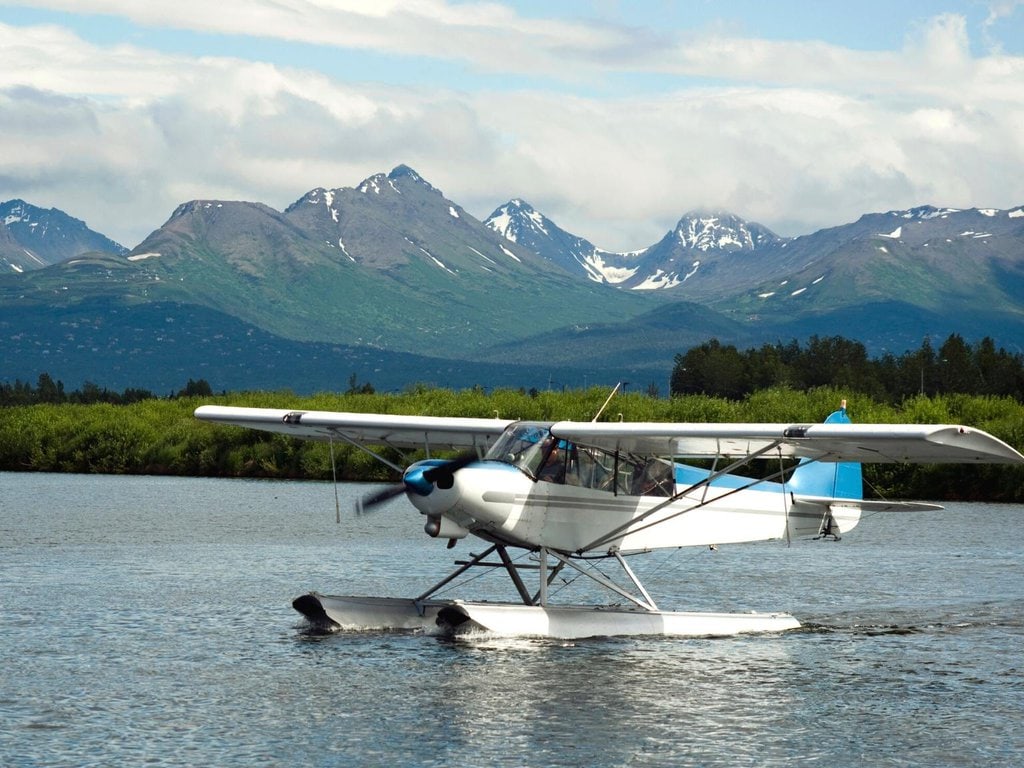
<point x="148" y="620"/>
<point x="580" y="699"/>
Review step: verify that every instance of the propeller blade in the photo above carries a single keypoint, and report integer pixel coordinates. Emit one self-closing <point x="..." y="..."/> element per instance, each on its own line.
<point x="371" y="500"/>
<point x="444" y="472"/>
<point x="441" y="476"/>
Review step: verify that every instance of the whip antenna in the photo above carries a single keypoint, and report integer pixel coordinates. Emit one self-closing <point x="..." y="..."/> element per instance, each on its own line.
<point x="601" y="410"/>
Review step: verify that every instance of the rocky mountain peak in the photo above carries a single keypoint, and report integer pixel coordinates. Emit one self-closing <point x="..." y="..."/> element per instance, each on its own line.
<point x="721" y="231"/>
<point x="195" y="206"/>
<point x="401" y="177"/>
<point x="35" y="237"/>
<point x="517" y="217"/>
<point x="403" y="171"/>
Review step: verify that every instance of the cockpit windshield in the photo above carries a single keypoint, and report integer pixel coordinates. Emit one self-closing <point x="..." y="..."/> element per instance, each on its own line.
<point x="532" y="448"/>
<point x="523" y="446"/>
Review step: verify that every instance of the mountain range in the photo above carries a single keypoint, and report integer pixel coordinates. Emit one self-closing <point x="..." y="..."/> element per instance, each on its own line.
<point x="395" y="283"/>
<point x="698" y="238"/>
<point x="32" y="237"/>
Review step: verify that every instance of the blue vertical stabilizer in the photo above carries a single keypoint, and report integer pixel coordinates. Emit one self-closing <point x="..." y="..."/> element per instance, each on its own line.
<point x="832" y="480"/>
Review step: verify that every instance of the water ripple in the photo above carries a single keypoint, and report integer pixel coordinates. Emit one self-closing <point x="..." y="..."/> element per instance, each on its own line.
<point x="147" y="621"/>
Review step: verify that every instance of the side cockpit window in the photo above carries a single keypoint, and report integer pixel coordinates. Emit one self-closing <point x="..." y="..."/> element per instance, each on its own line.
<point x="653" y="477"/>
<point x="546" y="458"/>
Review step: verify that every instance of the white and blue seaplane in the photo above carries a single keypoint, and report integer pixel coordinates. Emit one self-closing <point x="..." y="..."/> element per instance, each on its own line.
<point x="570" y="492"/>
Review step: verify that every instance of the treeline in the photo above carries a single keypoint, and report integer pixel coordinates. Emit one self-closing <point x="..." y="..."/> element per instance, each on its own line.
<point x="161" y="436"/>
<point x="722" y="370"/>
<point x="47" y="390"/>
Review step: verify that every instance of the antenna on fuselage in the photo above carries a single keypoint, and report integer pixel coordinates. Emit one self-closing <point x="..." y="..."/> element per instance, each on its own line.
<point x="601" y="410"/>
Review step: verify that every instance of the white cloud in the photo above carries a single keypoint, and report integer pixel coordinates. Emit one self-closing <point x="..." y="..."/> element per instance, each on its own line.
<point x="998" y="10"/>
<point x="796" y="135"/>
<point x="490" y="36"/>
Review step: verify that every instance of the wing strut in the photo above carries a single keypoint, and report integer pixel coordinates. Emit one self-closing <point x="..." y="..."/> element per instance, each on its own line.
<point x="364" y="449"/>
<point x="785" y="506"/>
<point x="334" y="477"/>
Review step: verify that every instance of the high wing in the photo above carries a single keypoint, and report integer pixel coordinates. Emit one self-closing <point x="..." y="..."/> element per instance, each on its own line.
<point x="432" y="432"/>
<point x="866" y="443"/>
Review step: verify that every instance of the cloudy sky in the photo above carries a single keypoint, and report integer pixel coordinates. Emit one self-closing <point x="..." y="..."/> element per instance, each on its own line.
<point x="613" y="118"/>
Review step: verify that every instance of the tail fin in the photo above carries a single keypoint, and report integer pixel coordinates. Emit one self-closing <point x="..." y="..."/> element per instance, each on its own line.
<point x="828" y="499"/>
<point x="818" y="491"/>
<point x="832" y="480"/>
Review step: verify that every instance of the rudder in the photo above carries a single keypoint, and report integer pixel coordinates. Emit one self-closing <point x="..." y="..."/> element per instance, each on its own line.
<point x="836" y="480"/>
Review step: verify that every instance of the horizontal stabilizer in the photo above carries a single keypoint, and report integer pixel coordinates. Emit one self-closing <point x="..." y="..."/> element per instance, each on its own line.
<point x="870" y="505"/>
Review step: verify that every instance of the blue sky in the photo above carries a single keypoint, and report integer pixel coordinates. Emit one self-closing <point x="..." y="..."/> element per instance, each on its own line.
<point x="613" y="118"/>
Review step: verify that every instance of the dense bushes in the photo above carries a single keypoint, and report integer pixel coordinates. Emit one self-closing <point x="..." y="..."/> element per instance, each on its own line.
<point x="162" y="437"/>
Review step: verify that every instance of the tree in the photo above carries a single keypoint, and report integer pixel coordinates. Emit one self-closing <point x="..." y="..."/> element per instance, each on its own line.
<point x="711" y="369"/>
<point x="200" y="388"/>
<point x="957" y="371"/>
<point x="1000" y="372"/>
<point x="767" y="367"/>
<point x="48" y="391"/>
<point x="355" y="388"/>
<point x="834" y="361"/>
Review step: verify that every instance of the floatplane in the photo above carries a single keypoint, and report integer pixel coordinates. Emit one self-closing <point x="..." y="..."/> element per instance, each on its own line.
<point x="571" y="492"/>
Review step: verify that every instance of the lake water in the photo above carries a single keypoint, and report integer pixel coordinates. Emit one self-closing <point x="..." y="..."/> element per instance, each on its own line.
<point x="147" y="621"/>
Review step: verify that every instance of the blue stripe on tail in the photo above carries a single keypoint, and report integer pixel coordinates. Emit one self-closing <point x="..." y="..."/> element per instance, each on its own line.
<point x="830" y="480"/>
<point x="835" y="480"/>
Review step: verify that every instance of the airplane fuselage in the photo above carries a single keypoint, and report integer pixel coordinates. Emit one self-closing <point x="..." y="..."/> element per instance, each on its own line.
<point x="498" y="500"/>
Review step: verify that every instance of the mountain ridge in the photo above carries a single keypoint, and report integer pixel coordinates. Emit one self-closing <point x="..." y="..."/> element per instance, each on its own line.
<point x="33" y="237"/>
<point x="392" y="265"/>
<point x="388" y="263"/>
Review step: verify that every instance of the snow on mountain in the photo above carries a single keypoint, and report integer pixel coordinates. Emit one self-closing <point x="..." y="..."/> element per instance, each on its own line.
<point x="929" y="257"/>
<point x="518" y="222"/>
<point x="33" y="237"/>
<point x="665" y="265"/>
<point x="702" y="231"/>
<point x="393" y="219"/>
<point x="928" y="225"/>
<point x="392" y="263"/>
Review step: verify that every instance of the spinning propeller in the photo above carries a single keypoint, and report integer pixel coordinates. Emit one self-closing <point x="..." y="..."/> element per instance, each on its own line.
<point x="371" y="500"/>
<point x="419" y="478"/>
